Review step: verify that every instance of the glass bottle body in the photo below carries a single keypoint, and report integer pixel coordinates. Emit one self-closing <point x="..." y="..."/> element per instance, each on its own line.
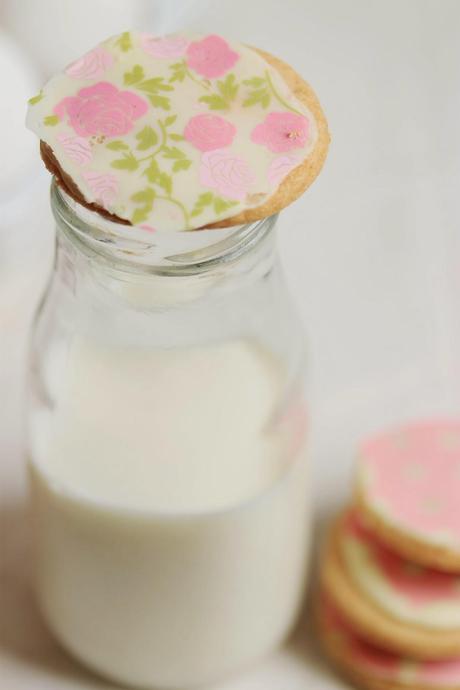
<point x="167" y="446"/>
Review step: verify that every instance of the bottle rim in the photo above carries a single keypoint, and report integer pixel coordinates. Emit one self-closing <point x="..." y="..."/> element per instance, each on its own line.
<point x="138" y="250"/>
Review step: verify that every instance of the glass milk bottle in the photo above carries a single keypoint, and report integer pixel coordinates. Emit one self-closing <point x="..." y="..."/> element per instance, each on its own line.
<point x="167" y="446"/>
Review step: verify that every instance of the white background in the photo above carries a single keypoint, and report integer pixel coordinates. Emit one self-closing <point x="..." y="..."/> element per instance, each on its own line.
<point x="371" y="252"/>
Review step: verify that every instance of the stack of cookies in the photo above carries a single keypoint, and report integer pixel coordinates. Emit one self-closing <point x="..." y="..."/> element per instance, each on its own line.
<point x="389" y="614"/>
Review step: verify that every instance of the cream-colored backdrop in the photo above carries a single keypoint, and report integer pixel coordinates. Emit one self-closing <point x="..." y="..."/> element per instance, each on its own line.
<point x="372" y="251"/>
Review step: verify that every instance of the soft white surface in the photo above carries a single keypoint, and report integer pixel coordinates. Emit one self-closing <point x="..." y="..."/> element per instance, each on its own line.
<point x="372" y="255"/>
<point x="66" y="29"/>
<point x="18" y="147"/>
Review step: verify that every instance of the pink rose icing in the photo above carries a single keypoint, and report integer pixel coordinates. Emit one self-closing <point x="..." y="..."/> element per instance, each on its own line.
<point x="165" y="47"/>
<point x="101" y="109"/>
<point x="209" y="132"/>
<point x="211" y="57"/>
<point x="280" y="167"/>
<point x="415" y="474"/>
<point x="368" y="659"/>
<point x="104" y="187"/>
<point x="419" y="585"/>
<point x="77" y="149"/>
<point x="230" y="175"/>
<point x="93" y="65"/>
<point x="282" y="132"/>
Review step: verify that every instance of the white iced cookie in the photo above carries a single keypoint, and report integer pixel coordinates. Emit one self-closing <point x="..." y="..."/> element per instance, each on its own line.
<point x="180" y="132"/>
<point x="376" y="669"/>
<point x="408" y="592"/>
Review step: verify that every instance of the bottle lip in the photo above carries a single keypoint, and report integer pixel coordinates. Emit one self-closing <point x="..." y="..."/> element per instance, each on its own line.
<point x="138" y="250"/>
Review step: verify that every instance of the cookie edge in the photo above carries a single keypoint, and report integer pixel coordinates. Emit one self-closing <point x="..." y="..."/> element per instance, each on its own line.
<point x="372" y="622"/>
<point x="298" y="180"/>
<point x="404" y="543"/>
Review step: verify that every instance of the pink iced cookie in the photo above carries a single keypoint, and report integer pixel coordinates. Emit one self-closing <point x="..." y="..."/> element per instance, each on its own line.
<point x="411" y="593"/>
<point x="408" y="488"/>
<point x="374" y="667"/>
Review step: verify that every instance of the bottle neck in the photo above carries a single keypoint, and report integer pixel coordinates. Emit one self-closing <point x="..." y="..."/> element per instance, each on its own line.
<point x="162" y="267"/>
<point x="135" y="250"/>
<point x="227" y="286"/>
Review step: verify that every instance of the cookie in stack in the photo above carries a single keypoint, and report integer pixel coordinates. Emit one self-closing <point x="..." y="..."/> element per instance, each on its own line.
<point x="390" y="606"/>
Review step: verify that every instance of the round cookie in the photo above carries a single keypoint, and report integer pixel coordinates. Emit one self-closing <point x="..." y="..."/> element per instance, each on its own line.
<point x="373" y="622"/>
<point x="230" y="133"/>
<point x="374" y="669"/>
<point x="408" y="490"/>
<point x="411" y="593"/>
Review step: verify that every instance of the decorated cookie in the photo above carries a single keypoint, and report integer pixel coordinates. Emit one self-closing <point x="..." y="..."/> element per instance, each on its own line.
<point x="370" y="613"/>
<point x="406" y="591"/>
<point x="408" y="488"/>
<point x="373" y="668"/>
<point x="180" y="132"/>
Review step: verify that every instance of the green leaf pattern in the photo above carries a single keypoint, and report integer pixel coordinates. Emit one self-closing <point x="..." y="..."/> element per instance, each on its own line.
<point x="180" y="72"/>
<point x="258" y="91"/>
<point x="209" y="199"/>
<point x="134" y="76"/>
<point x="127" y="162"/>
<point x="35" y="99"/>
<point x="124" y="43"/>
<point x="261" y="91"/>
<point x="117" y="145"/>
<point x="147" y="139"/>
<point x="151" y="88"/>
<point x="226" y="93"/>
<point x="51" y="120"/>
<point x="145" y="198"/>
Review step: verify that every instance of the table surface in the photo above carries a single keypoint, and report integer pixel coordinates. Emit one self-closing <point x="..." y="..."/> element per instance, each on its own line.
<point x="372" y="253"/>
